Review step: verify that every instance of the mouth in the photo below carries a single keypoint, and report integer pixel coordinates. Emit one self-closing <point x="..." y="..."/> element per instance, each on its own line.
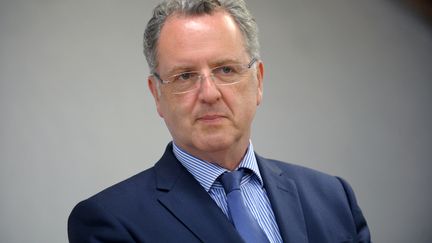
<point x="211" y="118"/>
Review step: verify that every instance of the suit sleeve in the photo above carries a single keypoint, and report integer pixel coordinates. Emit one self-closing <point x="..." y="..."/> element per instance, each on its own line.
<point x="90" y="223"/>
<point x="363" y="233"/>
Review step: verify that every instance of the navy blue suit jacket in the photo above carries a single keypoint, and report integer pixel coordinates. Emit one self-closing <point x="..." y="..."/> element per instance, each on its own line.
<point x="166" y="204"/>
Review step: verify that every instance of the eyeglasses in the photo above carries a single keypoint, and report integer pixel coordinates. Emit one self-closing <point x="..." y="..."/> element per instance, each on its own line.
<point x="227" y="74"/>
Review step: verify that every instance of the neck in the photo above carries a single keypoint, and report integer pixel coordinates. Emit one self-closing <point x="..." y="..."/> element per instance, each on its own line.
<point x="229" y="158"/>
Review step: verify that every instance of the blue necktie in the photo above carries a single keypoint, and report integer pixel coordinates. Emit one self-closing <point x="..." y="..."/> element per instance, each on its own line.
<point x="242" y="218"/>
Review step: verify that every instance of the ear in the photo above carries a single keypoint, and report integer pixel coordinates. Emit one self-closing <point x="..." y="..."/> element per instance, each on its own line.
<point x="260" y="78"/>
<point x="154" y="89"/>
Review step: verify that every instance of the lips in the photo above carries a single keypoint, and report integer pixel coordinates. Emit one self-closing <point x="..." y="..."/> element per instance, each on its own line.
<point x="211" y="118"/>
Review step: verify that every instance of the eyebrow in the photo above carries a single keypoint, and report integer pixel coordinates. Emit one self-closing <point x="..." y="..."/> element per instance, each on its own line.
<point x="191" y="68"/>
<point x="225" y="61"/>
<point x="179" y="69"/>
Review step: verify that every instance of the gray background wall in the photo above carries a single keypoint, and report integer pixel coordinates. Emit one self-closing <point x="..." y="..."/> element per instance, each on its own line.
<point x="347" y="91"/>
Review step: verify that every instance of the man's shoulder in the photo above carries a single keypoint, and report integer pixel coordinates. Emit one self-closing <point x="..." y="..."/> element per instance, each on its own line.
<point x="145" y="182"/>
<point x="327" y="201"/>
<point x="295" y="170"/>
<point x="304" y="177"/>
<point x="123" y="191"/>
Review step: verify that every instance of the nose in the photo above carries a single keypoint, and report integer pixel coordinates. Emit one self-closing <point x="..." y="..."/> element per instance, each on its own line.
<point x="208" y="90"/>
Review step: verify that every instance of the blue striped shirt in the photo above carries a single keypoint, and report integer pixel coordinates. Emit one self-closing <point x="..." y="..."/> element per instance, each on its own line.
<point x="252" y="187"/>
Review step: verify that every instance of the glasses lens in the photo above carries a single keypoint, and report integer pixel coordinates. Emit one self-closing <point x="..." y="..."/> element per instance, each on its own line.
<point x="183" y="82"/>
<point x="222" y="75"/>
<point x="228" y="74"/>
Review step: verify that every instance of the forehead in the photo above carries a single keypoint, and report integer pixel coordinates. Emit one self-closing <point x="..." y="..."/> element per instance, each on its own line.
<point x="190" y="40"/>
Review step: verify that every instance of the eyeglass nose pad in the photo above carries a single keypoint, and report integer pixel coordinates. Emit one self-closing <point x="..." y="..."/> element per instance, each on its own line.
<point x="208" y="83"/>
<point x="209" y="76"/>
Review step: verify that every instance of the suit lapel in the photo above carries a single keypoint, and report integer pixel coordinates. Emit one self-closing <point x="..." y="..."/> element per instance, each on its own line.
<point x="285" y="202"/>
<point x="187" y="200"/>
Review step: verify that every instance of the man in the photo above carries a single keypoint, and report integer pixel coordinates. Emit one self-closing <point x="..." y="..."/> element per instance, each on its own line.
<point x="207" y="82"/>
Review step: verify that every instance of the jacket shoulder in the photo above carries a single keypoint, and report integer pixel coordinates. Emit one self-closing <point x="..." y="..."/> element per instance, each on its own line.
<point x="326" y="199"/>
<point x="128" y="187"/>
<point x="299" y="173"/>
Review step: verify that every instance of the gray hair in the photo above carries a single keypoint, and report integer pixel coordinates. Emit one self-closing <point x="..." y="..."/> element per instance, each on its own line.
<point x="236" y="8"/>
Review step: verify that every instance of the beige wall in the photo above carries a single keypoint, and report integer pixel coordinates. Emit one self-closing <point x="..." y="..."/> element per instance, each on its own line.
<point x="347" y="91"/>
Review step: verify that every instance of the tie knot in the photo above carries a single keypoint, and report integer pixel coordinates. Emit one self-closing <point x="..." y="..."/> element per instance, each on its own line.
<point x="231" y="180"/>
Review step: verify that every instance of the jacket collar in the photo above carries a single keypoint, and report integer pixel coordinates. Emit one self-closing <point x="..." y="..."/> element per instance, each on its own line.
<point x="285" y="201"/>
<point x="187" y="200"/>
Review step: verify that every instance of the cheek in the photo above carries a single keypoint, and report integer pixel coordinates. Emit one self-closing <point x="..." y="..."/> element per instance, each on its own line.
<point x="249" y="94"/>
<point x="243" y="102"/>
<point x="251" y="99"/>
<point x="176" y="110"/>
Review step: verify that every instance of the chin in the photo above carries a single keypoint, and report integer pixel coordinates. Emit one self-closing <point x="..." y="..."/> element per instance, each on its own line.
<point x="224" y="142"/>
<point x="214" y="146"/>
<point x="214" y="143"/>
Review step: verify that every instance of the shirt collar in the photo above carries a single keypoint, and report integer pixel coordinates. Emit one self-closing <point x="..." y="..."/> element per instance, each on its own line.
<point x="206" y="173"/>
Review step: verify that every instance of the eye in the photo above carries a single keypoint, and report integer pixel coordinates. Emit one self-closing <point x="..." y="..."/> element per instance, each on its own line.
<point x="184" y="77"/>
<point x="226" y="70"/>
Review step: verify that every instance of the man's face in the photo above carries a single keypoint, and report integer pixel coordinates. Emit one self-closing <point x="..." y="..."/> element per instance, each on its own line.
<point x="212" y="118"/>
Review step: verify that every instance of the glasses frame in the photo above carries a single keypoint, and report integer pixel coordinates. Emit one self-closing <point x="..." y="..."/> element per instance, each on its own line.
<point x="200" y="77"/>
